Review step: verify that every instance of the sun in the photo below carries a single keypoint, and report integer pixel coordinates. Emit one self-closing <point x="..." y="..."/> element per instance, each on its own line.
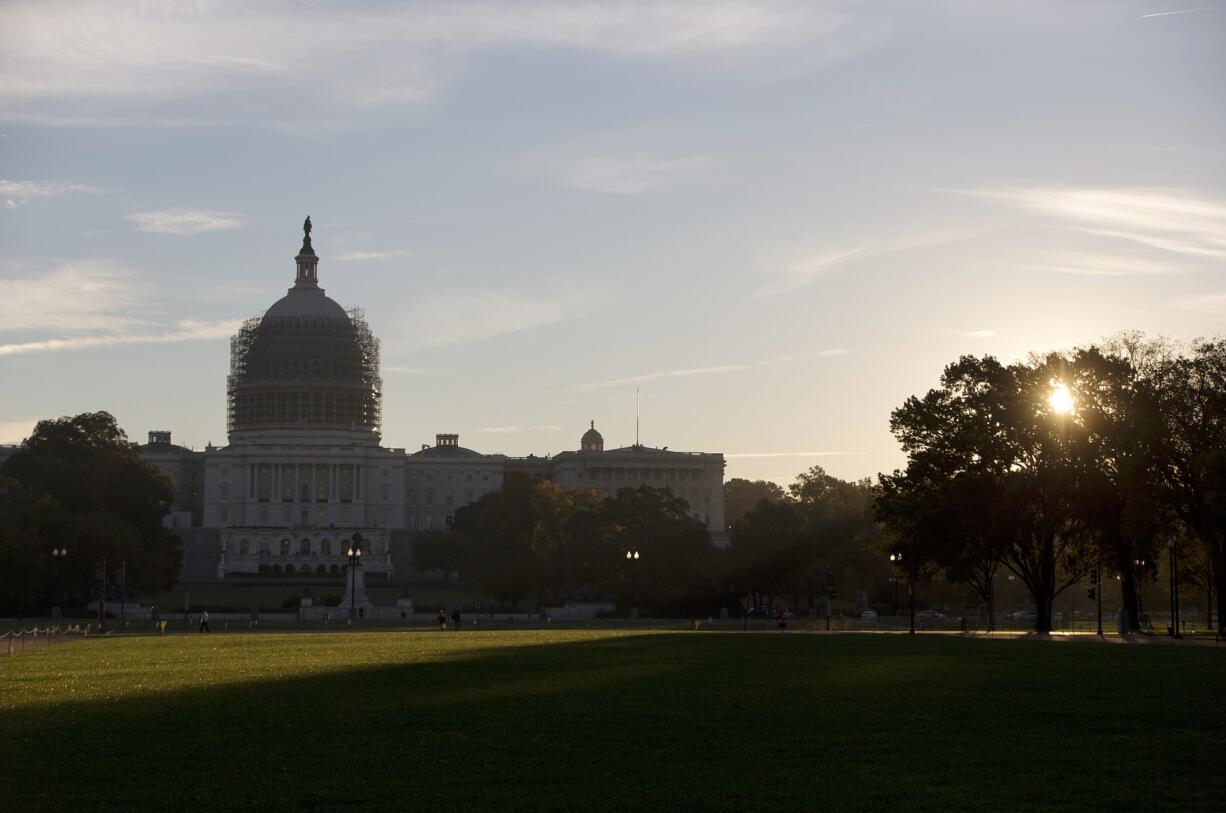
<point x="1060" y="400"/>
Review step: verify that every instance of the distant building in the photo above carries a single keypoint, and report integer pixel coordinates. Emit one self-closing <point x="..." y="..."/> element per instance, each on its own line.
<point x="304" y="472"/>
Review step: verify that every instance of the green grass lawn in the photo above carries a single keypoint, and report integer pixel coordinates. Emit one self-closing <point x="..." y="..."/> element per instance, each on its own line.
<point x="563" y="720"/>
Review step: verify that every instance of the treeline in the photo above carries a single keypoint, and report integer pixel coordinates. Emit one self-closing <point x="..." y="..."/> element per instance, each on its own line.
<point x="641" y="547"/>
<point x="1102" y="462"/>
<point x="77" y="492"/>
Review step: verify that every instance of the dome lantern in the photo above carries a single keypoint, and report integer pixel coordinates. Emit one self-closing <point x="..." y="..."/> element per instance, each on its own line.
<point x="592" y="441"/>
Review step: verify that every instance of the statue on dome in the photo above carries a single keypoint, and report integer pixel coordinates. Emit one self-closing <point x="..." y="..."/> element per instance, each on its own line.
<point x="306" y="227"/>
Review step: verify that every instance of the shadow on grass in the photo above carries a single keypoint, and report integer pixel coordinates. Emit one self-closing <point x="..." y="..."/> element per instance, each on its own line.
<point x="689" y="721"/>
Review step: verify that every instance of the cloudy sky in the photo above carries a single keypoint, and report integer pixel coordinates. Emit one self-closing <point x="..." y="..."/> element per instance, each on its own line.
<point x="777" y="220"/>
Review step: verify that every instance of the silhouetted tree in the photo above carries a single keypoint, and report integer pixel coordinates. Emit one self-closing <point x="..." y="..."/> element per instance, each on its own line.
<point x="741" y="495"/>
<point x="113" y="501"/>
<point x="442" y="549"/>
<point x="769" y="544"/>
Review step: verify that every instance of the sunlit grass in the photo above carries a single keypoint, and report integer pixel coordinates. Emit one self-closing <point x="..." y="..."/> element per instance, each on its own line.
<point x="608" y="720"/>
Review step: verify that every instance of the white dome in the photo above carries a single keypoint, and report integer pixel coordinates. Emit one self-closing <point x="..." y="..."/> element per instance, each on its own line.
<point x="306" y="303"/>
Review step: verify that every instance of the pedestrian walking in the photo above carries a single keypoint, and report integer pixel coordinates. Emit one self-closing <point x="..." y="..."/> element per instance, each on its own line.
<point x="204" y="620"/>
<point x="455" y="618"/>
<point x="441" y="618"/>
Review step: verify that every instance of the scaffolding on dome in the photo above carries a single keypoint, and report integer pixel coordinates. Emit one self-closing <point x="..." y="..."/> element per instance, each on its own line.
<point x="304" y="372"/>
<point x="372" y="381"/>
<point x="240" y="350"/>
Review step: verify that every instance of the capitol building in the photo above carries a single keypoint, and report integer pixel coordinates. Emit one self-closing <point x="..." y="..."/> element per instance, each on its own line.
<point x="303" y="470"/>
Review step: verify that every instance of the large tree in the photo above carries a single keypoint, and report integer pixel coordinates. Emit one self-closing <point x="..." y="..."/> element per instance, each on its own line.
<point x="1192" y="399"/>
<point x="769" y="544"/>
<point x="1009" y="424"/>
<point x="112" y="500"/>
<point x="741" y="495"/>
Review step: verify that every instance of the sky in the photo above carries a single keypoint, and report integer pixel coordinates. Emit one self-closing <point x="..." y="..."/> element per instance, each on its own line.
<point x="774" y="221"/>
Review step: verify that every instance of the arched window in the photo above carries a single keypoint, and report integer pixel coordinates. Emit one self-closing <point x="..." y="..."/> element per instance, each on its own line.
<point x="320" y="569"/>
<point x="289" y="570"/>
<point x="304" y="547"/>
<point x="243" y="547"/>
<point x="333" y="569"/>
<point x="285" y="547"/>
<point x="325" y="547"/>
<point x="276" y="570"/>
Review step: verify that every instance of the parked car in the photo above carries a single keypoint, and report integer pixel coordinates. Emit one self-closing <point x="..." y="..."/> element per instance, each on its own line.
<point x="1024" y="615"/>
<point x="869" y="615"/>
<point x="930" y="615"/>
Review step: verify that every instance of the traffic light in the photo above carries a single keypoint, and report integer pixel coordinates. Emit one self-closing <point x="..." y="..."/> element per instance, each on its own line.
<point x="1092" y="592"/>
<point x="830" y="589"/>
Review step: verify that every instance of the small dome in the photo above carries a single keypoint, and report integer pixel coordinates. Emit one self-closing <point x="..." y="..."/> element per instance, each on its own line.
<point x="592" y="441"/>
<point x="306" y="303"/>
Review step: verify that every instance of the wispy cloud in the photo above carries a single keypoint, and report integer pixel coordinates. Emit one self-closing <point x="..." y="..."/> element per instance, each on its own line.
<point x="187" y="331"/>
<point x="185" y="221"/>
<point x="19" y="193"/>
<point x="792" y="454"/>
<point x="1172" y="220"/>
<point x="838" y="351"/>
<point x="406" y="370"/>
<point x="89" y="295"/>
<point x="614" y="172"/>
<point x="1211" y="304"/>
<point x="793" y="268"/>
<point x="371" y="255"/>
<point x="1106" y="265"/>
<point x="459" y="317"/>
<point x="1179" y="11"/>
<point x="512" y="430"/>
<point x="356" y="55"/>
<point x="638" y="379"/>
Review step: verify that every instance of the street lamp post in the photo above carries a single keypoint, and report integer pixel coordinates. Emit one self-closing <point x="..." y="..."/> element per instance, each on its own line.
<point x="355" y="561"/>
<point x="896" y="559"/>
<point x="58" y="555"/>
<point x="632" y="557"/>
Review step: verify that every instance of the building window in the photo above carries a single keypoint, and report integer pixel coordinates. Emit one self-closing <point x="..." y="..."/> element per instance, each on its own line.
<point x="413" y="521"/>
<point x="263" y="515"/>
<point x="244" y="546"/>
<point x="385" y="492"/>
<point x="412" y="496"/>
<point x="304" y="547"/>
<point x="429" y="496"/>
<point x="323" y="518"/>
<point x="223" y="515"/>
<point x="305" y="519"/>
<point x="325" y="547"/>
<point x="468" y="495"/>
<point x="285" y="547"/>
<point x="449" y="519"/>
<point x="224" y="490"/>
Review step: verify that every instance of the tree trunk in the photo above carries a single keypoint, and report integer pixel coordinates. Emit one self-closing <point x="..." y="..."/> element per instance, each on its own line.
<point x="1047" y="582"/>
<point x="1217" y="558"/>
<point x="1128" y="592"/>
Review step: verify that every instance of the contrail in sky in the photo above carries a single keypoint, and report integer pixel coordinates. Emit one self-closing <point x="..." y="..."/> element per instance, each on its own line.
<point x="1180" y="11"/>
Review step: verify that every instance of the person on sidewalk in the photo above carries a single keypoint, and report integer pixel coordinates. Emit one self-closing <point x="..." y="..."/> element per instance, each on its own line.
<point x="204" y="620"/>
